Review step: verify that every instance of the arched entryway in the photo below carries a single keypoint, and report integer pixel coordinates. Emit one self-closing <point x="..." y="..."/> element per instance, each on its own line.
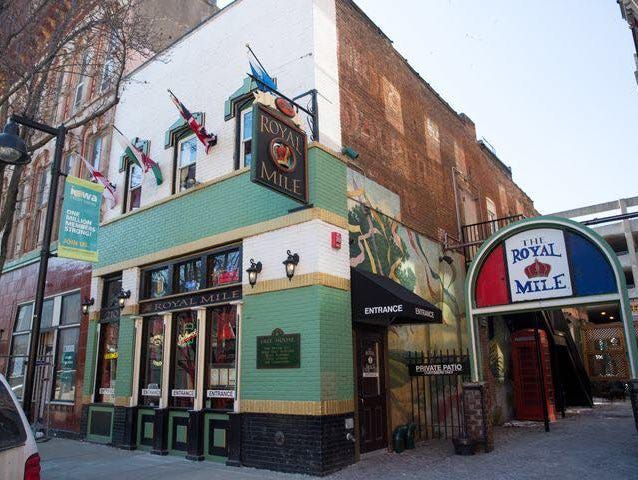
<point x="532" y="269"/>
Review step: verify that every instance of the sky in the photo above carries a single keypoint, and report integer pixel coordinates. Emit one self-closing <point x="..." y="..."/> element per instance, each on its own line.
<point x="549" y="84"/>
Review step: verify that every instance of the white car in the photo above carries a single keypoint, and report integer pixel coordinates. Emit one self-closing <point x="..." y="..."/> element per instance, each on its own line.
<point x="19" y="458"/>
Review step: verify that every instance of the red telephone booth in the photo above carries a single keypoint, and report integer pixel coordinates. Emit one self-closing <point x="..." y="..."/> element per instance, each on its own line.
<point x="527" y="393"/>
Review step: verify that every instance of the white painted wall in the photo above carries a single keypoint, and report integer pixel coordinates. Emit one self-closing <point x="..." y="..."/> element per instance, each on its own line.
<point x="311" y="240"/>
<point x="295" y="40"/>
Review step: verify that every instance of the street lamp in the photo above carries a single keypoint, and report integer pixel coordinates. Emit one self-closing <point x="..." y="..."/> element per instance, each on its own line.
<point x="13" y="150"/>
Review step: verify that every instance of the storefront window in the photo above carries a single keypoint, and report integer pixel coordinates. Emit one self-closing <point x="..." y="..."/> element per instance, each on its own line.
<point x="66" y="364"/>
<point x="20" y="349"/>
<point x="71" y="310"/>
<point x="220" y="357"/>
<point x="184" y="359"/>
<point x="112" y="288"/>
<point x="189" y="276"/>
<point x="107" y="361"/>
<point x="151" y="361"/>
<point x="46" y="319"/>
<point x="158" y="283"/>
<point x="224" y="268"/>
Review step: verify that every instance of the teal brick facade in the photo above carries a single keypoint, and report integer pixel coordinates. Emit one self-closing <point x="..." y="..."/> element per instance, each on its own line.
<point x="125" y="359"/>
<point x="91" y="357"/>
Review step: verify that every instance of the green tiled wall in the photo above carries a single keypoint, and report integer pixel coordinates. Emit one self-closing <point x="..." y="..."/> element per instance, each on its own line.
<point x="125" y="348"/>
<point x="89" y="363"/>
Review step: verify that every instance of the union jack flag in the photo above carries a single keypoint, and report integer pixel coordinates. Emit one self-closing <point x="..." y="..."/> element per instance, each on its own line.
<point x="208" y="139"/>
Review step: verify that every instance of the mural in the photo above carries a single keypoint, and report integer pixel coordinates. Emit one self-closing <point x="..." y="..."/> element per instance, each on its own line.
<point x="381" y="244"/>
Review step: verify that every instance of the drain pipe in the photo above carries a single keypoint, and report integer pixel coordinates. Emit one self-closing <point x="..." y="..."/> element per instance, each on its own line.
<point x="456" y="204"/>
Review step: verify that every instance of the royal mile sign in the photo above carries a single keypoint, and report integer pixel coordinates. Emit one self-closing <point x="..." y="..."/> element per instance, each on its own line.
<point x="537" y="265"/>
<point x="279" y="152"/>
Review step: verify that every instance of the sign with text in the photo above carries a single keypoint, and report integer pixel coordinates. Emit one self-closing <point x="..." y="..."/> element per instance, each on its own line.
<point x="436" y="369"/>
<point x="537" y="265"/>
<point x="202" y="299"/>
<point x="80" y="220"/>
<point x="279" y="350"/>
<point x="279" y="154"/>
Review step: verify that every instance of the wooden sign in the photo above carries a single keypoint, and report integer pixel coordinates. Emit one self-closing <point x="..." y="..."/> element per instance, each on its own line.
<point x="279" y="350"/>
<point x="279" y="158"/>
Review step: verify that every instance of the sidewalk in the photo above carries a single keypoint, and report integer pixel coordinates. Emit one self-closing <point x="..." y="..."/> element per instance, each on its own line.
<point x="589" y="444"/>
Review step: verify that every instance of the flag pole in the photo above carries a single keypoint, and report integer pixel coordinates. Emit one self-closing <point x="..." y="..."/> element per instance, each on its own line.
<point x="256" y="58"/>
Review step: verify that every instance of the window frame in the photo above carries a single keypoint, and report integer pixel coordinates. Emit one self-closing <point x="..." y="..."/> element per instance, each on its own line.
<point x="208" y="364"/>
<point x="129" y="190"/>
<point x="186" y="136"/>
<point x="241" y="106"/>
<point x="242" y="140"/>
<point x="20" y="333"/>
<point x="144" y="357"/>
<point x="174" y="402"/>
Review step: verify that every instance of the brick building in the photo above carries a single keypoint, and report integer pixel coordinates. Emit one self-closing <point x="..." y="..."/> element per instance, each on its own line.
<point x="185" y="355"/>
<point x="57" y="397"/>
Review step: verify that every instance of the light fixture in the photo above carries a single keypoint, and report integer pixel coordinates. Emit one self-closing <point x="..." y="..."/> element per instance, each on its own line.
<point x="253" y="271"/>
<point x="13" y="150"/>
<point x="603" y="313"/>
<point x="350" y="153"/>
<point x="611" y="318"/>
<point x="291" y="263"/>
<point x="122" y="296"/>
<point x="88" y="302"/>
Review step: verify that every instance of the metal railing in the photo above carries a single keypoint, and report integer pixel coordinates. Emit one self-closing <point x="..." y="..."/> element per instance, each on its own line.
<point x="473" y="235"/>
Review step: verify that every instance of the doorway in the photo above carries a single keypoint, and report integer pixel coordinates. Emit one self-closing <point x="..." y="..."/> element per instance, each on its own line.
<point x="370" y="355"/>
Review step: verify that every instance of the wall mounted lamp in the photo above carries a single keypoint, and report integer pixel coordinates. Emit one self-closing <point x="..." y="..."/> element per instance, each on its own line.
<point x="86" y="304"/>
<point x="122" y="296"/>
<point x="253" y="271"/>
<point x="291" y="263"/>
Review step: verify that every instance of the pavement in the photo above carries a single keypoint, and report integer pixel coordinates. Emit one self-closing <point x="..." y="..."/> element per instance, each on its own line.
<point x="599" y="443"/>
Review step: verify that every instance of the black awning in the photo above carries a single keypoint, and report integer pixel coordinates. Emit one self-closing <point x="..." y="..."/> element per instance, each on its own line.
<point x="379" y="300"/>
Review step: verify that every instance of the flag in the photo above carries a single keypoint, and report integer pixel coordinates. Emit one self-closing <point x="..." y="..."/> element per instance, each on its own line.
<point x="139" y="158"/>
<point x="207" y="139"/>
<point x="264" y="81"/>
<point x="109" y="188"/>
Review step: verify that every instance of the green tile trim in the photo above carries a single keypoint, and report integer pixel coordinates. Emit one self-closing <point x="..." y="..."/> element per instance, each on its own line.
<point x="207" y="417"/>
<point x="223" y="206"/>
<point x="140" y="413"/>
<point x="90" y="358"/>
<point x="249" y="85"/>
<point x="99" y="438"/>
<point x="321" y="315"/>
<point x="125" y="358"/>
<point x="171" y="416"/>
<point x="143" y="145"/>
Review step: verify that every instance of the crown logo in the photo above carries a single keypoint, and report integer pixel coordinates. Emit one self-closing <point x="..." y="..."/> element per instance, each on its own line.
<point x="538" y="269"/>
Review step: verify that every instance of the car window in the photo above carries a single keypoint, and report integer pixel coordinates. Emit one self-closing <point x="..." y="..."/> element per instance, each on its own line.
<point x="12" y="433"/>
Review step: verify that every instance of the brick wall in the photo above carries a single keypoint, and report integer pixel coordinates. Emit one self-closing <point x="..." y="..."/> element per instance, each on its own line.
<point x="408" y="137"/>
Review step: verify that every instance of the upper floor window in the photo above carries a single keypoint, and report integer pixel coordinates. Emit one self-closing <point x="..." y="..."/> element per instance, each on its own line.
<point x="134" y="186"/>
<point x="96" y="154"/>
<point x="432" y="142"/>
<point x="246" y="135"/>
<point x="108" y="68"/>
<point x="81" y="86"/>
<point x="224" y="268"/>
<point x="43" y="187"/>
<point x="69" y="164"/>
<point x="187" y="162"/>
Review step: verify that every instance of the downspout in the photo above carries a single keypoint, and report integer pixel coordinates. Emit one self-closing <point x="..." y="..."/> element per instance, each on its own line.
<point x="456" y="204"/>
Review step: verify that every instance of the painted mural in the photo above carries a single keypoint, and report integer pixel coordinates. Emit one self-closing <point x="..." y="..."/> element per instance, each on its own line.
<point x="381" y="244"/>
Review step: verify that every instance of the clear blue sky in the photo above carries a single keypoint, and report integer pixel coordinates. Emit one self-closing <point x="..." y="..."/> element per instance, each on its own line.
<point x="549" y="83"/>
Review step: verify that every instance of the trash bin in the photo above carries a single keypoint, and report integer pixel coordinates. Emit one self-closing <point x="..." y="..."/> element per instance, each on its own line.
<point x="398" y="438"/>
<point x="409" y="436"/>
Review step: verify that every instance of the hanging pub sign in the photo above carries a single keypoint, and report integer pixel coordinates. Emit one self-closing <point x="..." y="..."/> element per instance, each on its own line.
<point x="80" y="220"/>
<point x="279" y="152"/>
<point x="538" y="265"/>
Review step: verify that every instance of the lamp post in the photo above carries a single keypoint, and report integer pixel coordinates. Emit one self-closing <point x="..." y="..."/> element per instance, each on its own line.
<point x="13" y="150"/>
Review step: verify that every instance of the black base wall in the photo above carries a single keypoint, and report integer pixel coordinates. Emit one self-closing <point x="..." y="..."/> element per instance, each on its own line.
<point x="124" y="428"/>
<point x="314" y="445"/>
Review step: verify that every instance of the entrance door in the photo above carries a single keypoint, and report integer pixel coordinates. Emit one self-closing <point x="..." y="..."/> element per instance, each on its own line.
<point x="371" y="382"/>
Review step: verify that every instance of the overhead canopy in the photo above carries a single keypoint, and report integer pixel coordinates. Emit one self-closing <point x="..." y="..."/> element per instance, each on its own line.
<point x="379" y="300"/>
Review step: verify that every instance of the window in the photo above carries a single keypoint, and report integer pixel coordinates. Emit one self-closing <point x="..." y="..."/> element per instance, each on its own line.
<point x="109" y="66"/>
<point x="66" y="364"/>
<point x="189" y="276"/>
<point x="46" y="319"/>
<point x="245" y="146"/>
<point x="187" y="162"/>
<point x="97" y="152"/>
<point x="12" y="432"/>
<point x="184" y="355"/>
<point x="491" y="214"/>
<point x="432" y="142"/>
<point x="69" y="164"/>
<point x="158" y="283"/>
<point x="107" y="361"/>
<point x="71" y="310"/>
<point x="24" y="195"/>
<point x="220" y="357"/>
<point x="20" y="349"/>
<point x="134" y="187"/>
<point x="79" y="89"/>
<point x="112" y="288"/>
<point x="152" y="360"/>
<point x="43" y="187"/>
<point x="224" y="268"/>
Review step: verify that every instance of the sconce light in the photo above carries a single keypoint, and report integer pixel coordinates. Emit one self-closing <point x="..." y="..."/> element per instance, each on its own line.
<point x="447" y="259"/>
<point x="350" y="153"/>
<point x="122" y="296"/>
<point x="291" y="263"/>
<point x="253" y="271"/>
<point x="88" y="302"/>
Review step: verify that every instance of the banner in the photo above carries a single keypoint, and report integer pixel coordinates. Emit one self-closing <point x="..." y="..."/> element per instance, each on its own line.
<point x="80" y="220"/>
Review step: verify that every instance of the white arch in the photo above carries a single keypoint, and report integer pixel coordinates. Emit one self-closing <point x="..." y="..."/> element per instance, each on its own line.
<point x="621" y="296"/>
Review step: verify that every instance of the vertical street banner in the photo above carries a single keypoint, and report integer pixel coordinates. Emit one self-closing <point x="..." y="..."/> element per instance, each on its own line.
<point x="80" y="220"/>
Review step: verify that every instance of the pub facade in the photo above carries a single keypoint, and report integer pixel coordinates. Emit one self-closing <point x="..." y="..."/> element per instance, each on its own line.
<point x="257" y="306"/>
